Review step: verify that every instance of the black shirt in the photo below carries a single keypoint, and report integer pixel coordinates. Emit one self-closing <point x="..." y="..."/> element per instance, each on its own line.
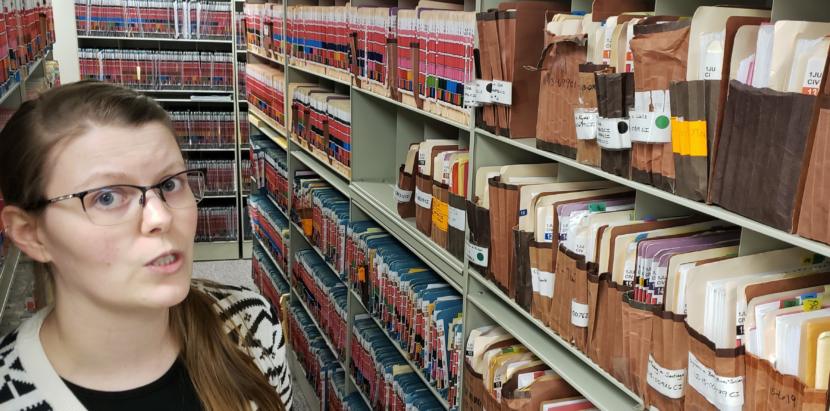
<point x="173" y="391"/>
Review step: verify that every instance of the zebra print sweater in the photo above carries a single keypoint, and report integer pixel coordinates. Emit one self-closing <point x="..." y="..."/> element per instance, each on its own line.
<point x="29" y="383"/>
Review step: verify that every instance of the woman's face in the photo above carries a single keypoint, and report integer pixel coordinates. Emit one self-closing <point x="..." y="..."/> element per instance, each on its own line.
<point x="123" y="266"/>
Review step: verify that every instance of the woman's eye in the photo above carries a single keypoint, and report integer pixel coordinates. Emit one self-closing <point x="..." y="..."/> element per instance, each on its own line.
<point x="108" y="199"/>
<point x="171" y="185"/>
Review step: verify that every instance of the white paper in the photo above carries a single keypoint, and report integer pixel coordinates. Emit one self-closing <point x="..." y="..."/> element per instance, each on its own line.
<point x="763" y="56"/>
<point x="546" y="283"/>
<point x="609" y="135"/>
<point x="725" y="393"/>
<point x="402" y="196"/>
<point x="423" y="199"/>
<point x="665" y="381"/>
<point x="711" y="55"/>
<point x="579" y="314"/>
<point x="477" y="255"/>
<point x="586" y="123"/>
<point x="458" y="218"/>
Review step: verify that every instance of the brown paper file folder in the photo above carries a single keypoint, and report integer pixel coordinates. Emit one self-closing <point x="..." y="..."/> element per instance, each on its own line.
<point x="588" y="151"/>
<point x="615" y="93"/>
<point x="760" y="153"/>
<point x="458" y="206"/>
<point x="405" y="194"/>
<point x="559" y="94"/>
<point x="814" y="216"/>
<point x="520" y="24"/>
<point x="545" y="388"/>
<point x="660" y="54"/>
<point x="488" y="48"/>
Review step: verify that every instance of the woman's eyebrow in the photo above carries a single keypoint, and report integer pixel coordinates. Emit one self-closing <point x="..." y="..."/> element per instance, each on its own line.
<point x="103" y="175"/>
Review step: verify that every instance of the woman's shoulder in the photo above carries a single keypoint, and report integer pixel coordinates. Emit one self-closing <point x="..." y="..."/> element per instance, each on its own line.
<point x="247" y="314"/>
<point x="18" y="387"/>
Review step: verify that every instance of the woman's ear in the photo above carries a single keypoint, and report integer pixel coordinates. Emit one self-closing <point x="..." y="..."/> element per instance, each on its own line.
<point x="21" y="226"/>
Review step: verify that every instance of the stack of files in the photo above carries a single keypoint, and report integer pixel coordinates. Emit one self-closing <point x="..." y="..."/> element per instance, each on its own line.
<point x="560" y="91"/>
<point x="329" y="219"/>
<point x="553" y="228"/>
<point x="502" y="374"/>
<point x="312" y="352"/>
<point x="417" y="308"/>
<point x="440" y="190"/>
<point x="220" y="175"/>
<point x="306" y="183"/>
<point x="757" y="320"/>
<point x="247" y="174"/>
<point x="321" y="122"/>
<point x="158" y="70"/>
<point x="267" y="277"/>
<point x="324" y="295"/>
<point x="244" y="127"/>
<point x="271" y="227"/>
<point x="217" y="224"/>
<point x="263" y="28"/>
<point x="509" y="39"/>
<point x="240" y="21"/>
<point x="362" y="240"/>
<point x="320" y="37"/>
<point x="265" y="86"/>
<point x="447" y="62"/>
<point x="375" y="45"/>
<point x="241" y="81"/>
<point x="788" y="57"/>
<point x="383" y="373"/>
<point x="204" y="129"/>
<point x="177" y="19"/>
<point x="375" y="361"/>
<point x="337" y="400"/>
<point x="28" y="27"/>
<point x="427" y="151"/>
<point x="269" y="165"/>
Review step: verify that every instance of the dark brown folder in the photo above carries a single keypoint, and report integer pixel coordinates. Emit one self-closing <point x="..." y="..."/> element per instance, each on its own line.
<point x="760" y="153"/>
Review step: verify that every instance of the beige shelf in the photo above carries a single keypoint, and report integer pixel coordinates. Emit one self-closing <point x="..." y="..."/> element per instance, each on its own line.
<point x="268" y="126"/>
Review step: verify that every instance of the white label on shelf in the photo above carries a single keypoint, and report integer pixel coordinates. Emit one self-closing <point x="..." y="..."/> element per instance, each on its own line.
<point x="546" y="283"/>
<point x="458" y="218"/>
<point x="579" y="314"/>
<point x="667" y="382"/>
<point x="501" y="92"/>
<point x="402" y="196"/>
<point x="534" y="280"/>
<point x="423" y="199"/>
<point x="477" y="255"/>
<point x="471" y="95"/>
<point x="586" y="123"/>
<point x="726" y="393"/>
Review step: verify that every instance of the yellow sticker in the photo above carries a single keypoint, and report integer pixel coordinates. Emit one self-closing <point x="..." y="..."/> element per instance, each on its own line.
<point x="679" y="132"/>
<point x="361" y="274"/>
<point x="697" y="139"/>
<point x="811" y="304"/>
<point x="440" y="214"/>
<point x="307" y="227"/>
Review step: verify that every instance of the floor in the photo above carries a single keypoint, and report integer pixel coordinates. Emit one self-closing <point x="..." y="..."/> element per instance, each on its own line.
<point x="238" y="272"/>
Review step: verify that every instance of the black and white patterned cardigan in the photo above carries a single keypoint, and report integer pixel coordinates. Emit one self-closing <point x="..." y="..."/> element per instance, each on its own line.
<point x="29" y="383"/>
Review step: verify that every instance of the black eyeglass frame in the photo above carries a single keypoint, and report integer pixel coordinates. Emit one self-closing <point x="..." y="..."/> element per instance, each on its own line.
<point x="142" y="201"/>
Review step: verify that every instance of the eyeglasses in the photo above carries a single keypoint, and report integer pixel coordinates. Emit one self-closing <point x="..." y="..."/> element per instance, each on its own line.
<point x="117" y="204"/>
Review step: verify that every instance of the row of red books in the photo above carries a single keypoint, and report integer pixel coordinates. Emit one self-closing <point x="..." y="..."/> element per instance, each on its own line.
<point x="172" y="18"/>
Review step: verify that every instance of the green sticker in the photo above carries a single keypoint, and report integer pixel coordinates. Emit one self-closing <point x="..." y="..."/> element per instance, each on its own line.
<point x="480" y="256"/>
<point x="596" y="207"/>
<point x="662" y="122"/>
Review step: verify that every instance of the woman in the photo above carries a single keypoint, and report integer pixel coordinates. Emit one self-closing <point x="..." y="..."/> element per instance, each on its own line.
<point x="97" y="190"/>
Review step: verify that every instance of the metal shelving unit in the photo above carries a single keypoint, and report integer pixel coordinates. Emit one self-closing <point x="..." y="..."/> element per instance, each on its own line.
<point x="267" y="126"/>
<point x="14" y="261"/>
<point x="145" y="40"/>
<point x="382" y="129"/>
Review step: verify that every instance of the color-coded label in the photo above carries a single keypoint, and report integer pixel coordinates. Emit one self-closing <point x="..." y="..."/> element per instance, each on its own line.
<point x="440" y="214"/>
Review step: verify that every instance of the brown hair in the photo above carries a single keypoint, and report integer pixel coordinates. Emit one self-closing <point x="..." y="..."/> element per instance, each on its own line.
<point x="224" y="376"/>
